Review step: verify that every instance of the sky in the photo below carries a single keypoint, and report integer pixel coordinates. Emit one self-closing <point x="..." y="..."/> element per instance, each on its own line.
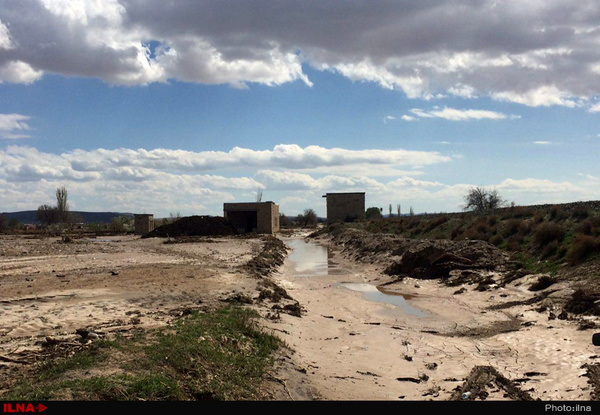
<point x="154" y="106"/>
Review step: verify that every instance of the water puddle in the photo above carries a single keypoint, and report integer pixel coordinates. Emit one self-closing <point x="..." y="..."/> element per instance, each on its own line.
<point x="314" y="260"/>
<point x="381" y="295"/>
<point x="311" y="260"/>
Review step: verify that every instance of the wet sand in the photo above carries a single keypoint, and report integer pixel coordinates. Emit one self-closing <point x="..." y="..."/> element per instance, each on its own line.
<point x="355" y="344"/>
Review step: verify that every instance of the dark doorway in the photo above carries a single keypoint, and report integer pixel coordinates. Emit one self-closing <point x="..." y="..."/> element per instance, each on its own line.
<point x="243" y="220"/>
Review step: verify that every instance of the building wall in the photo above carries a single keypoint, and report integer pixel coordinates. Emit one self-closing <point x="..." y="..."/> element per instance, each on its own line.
<point x="143" y="224"/>
<point x="267" y="214"/>
<point x="345" y="206"/>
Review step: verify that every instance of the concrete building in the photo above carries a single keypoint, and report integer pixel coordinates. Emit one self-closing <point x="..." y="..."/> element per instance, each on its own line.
<point x="144" y="223"/>
<point x="260" y="217"/>
<point x="345" y="207"/>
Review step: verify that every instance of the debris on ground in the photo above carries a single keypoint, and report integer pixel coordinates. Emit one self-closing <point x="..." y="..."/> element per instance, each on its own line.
<point x="593" y="374"/>
<point x="483" y="379"/>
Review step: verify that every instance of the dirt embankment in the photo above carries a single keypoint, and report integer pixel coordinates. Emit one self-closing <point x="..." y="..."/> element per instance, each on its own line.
<point x="422" y="258"/>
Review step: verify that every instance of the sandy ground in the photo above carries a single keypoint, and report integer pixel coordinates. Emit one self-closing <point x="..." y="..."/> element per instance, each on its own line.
<point x="343" y="347"/>
<point x="353" y="348"/>
<point x="109" y="284"/>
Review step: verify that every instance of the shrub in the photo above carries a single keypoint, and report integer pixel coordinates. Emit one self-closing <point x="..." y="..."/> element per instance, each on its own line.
<point x="547" y="233"/>
<point x="496" y="240"/>
<point x="522" y="212"/>
<point x="511" y="227"/>
<point x="456" y="232"/>
<point x="580" y="212"/>
<point x="514" y="243"/>
<point x="550" y="249"/>
<point x="586" y="227"/>
<point x="538" y="217"/>
<point x="434" y="223"/>
<point x="557" y="214"/>
<point x="582" y="248"/>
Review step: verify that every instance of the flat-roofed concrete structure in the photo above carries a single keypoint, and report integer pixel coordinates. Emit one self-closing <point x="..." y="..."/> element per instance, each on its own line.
<point x="144" y="223"/>
<point x="346" y="207"/>
<point x="259" y="217"/>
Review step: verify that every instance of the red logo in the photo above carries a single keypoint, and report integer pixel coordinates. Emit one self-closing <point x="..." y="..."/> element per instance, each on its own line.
<point x="23" y="407"/>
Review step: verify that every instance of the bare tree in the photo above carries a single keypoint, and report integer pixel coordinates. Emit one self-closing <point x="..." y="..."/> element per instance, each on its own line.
<point x="259" y="195"/>
<point x="398" y="207"/>
<point x="480" y="199"/>
<point x="309" y="218"/>
<point x="48" y="215"/>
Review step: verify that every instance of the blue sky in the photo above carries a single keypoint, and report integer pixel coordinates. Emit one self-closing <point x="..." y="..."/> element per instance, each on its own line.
<point x="146" y="107"/>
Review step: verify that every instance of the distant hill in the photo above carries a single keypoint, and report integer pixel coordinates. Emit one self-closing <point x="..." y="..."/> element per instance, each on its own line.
<point x="30" y="216"/>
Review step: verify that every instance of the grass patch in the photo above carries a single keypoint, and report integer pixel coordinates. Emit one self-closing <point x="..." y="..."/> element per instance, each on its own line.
<point x="219" y="355"/>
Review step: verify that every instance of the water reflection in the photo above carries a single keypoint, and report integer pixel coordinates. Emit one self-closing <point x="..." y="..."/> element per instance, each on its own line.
<point x="310" y="260"/>
<point x="381" y="295"/>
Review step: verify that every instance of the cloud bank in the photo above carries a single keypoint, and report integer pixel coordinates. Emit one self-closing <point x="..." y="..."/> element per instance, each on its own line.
<point x="536" y="53"/>
<point x="162" y="181"/>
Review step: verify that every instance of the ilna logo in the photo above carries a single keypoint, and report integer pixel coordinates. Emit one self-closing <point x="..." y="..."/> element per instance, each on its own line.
<point x="23" y="407"/>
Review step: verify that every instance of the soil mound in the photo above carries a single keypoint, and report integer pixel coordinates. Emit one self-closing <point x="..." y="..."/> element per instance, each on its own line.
<point x="420" y="258"/>
<point x="194" y="226"/>
<point x="436" y="258"/>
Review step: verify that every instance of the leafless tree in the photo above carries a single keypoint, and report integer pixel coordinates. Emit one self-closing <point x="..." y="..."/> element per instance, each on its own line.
<point x="47" y="214"/>
<point x="259" y="195"/>
<point x="480" y="199"/>
<point x="308" y="218"/>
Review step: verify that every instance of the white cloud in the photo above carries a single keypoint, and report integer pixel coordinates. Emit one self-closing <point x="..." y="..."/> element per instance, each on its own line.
<point x="595" y="108"/>
<point x="544" y="96"/>
<point x="542" y="143"/>
<point x="453" y="114"/>
<point x="424" y="49"/>
<point x="11" y="126"/>
<point x="5" y="40"/>
<point x="162" y="181"/>
<point x="289" y="156"/>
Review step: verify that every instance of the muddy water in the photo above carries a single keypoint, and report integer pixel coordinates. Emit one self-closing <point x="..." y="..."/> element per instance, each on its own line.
<point x="314" y="260"/>
<point x="380" y="295"/>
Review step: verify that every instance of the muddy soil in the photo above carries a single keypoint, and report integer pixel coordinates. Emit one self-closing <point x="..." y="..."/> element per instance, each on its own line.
<point x="353" y="332"/>
<point x="354" y="344"/>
